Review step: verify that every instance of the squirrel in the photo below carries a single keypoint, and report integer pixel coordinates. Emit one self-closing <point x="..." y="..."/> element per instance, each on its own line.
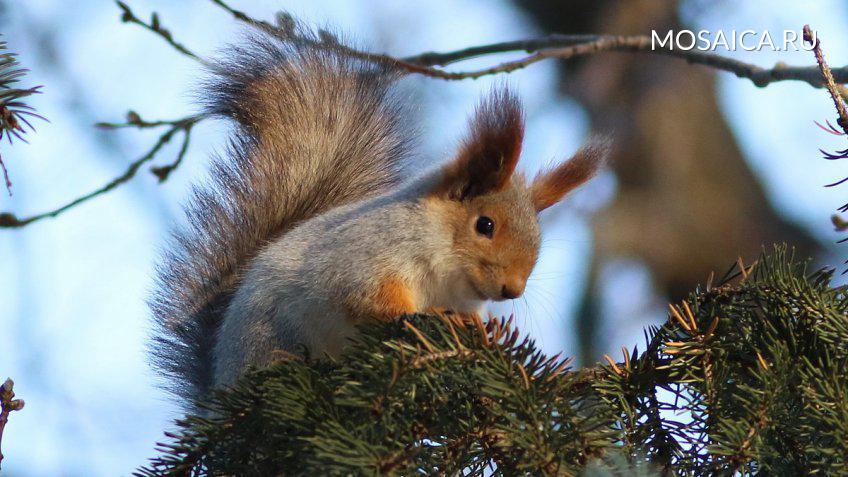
<point x="310" y="226"/>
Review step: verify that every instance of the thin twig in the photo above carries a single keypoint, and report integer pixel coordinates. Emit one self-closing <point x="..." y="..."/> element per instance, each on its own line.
<point x="561" y="47"/>
<point x="8" y="220"/>
<point x="162" y="172"/>
<point x="156" y="27"/>
<point x="243" y="17"/>
<point x="8" y="403"/>
<point x="136" y="121"/>
<point x="569" y="46"/>
<point x="433" y="58"/>
<point x="837" y="93"/>
<point x="827" y="77"/>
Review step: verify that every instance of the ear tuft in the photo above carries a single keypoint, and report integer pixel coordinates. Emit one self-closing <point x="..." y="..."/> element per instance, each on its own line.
<point x="489" y="154"/>
<point x="550" y="186"/>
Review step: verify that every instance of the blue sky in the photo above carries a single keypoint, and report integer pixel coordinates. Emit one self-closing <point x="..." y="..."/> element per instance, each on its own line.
<point x="74" y="320"/>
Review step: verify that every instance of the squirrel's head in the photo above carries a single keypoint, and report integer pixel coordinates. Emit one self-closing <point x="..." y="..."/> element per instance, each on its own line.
<point x="491" y="210"/>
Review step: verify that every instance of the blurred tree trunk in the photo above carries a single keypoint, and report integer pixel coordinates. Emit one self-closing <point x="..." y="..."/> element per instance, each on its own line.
<point x="687" y="203"/>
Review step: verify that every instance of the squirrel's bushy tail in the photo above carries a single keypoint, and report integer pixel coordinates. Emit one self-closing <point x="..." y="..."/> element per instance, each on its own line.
<point x="315" y="129"/>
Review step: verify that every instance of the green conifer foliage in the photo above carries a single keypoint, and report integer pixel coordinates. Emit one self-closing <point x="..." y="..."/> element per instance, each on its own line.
<point x="746" y="376"/>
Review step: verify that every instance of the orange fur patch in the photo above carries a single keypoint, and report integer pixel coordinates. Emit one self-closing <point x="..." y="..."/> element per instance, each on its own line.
<point x="391" y="299"/>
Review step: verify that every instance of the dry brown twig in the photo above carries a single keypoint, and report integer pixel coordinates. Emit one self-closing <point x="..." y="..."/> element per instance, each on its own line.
<point x="837" y="95"/>
<point x="184" y="125"/>
<point x="565" y="47"/>
<point x="827" y="78"/>
<point x="8" y="403"/>
<point x="555" y="46"/>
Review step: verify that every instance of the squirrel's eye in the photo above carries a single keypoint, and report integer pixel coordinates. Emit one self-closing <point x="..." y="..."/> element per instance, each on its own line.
<point x="485" y="226"/>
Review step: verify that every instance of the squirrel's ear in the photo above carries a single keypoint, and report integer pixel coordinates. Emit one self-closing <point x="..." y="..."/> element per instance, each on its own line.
<point x="550" y="186"/>
<point x="489" y="154"/>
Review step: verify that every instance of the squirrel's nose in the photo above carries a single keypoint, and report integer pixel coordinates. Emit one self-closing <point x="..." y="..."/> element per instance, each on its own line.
<point x="512" y="290"/>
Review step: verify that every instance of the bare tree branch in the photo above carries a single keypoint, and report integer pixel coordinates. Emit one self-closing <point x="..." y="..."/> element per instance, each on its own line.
<point x="827" y="77"/>
<point x="572" y="46"/>
<point x="431" y="64"/>
<point x="557" y="46"/>
<point x="156" y="27"/>
<point x="9" y="220"/>
<point x="837" y="93"/>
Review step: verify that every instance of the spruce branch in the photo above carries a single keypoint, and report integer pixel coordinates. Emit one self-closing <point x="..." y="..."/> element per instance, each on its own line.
<point x="426" y="392"/>
<point x="745" y="377"/>
<point x="15" y="114"/>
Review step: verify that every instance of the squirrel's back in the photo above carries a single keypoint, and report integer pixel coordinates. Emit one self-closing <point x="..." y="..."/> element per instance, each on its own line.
<point x="315" y="129"/>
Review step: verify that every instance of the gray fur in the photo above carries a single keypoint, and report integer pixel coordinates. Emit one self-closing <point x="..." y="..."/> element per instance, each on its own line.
<point x="293" y="292"/>
<point x="315" y="130"/>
